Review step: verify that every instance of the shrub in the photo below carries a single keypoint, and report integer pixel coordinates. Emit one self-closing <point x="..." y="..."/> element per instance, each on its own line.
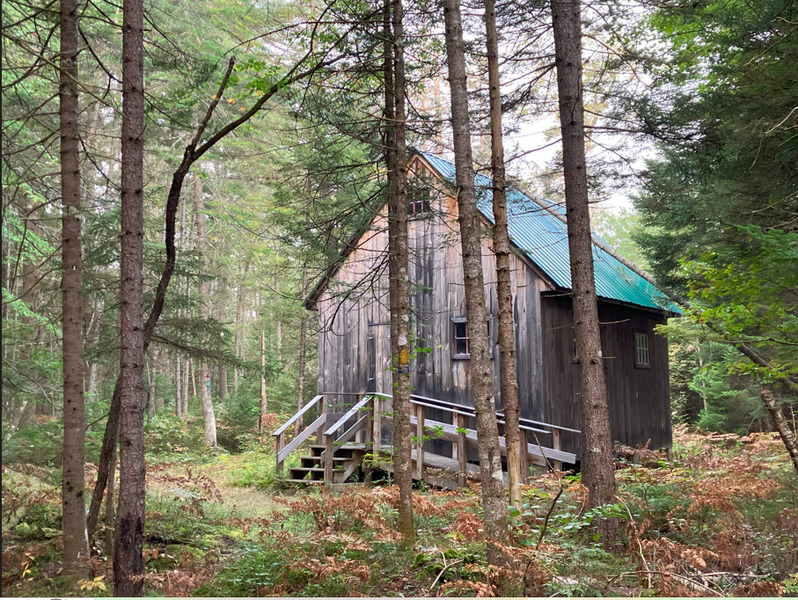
<point x="168" y="434"/>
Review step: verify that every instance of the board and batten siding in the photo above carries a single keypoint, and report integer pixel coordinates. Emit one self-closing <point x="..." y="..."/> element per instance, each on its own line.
<point x="638" y="397"/>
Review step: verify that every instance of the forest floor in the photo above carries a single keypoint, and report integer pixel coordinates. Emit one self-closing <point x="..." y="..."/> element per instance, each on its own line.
<point x="718" y="519"/>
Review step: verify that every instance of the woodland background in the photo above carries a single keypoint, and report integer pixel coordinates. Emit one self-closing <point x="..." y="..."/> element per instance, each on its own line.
<point x="704" y="91"/>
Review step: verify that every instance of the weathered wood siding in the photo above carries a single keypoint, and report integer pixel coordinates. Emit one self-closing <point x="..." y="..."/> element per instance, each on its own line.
<point x="638" y="397"/>
<point x="354" y="342"/>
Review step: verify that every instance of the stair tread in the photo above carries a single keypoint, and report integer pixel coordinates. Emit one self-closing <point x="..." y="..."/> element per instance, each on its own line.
<point x="314" y="481"/>
<point x="311" y="469"/>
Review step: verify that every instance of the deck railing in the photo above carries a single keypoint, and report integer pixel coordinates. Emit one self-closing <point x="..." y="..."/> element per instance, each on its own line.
<point x="361" y="427"/>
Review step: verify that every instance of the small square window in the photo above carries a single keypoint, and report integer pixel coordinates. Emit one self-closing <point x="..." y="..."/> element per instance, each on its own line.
<point x="642" y="350"/>
<point x="418" y="205"/>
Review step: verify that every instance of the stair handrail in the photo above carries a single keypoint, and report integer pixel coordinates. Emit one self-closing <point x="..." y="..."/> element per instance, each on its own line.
<point x="298" y="415"/>
<point x="329" y="434"/>
<point x="349" y="414"/>
<point x="281" y="450"/>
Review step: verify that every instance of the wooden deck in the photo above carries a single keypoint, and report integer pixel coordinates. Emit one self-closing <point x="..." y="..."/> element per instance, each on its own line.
<point x="355" y="442"/>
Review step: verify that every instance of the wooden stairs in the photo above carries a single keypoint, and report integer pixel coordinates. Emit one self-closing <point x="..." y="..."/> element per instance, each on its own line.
<point x="345" y="436"/>
<point x="311" y="468"/>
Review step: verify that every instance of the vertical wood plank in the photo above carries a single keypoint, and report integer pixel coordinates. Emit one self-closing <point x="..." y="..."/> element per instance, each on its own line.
<point x="420" y="443"/>
<point x="524" y="457"/>
<point x="461" y="451"/>
<point x="369" y="438"/>
<point x="278" y="445"/>
<point x="556" y="443"/>
<point x="322" y="411"/>
<point x="328" y="459"/>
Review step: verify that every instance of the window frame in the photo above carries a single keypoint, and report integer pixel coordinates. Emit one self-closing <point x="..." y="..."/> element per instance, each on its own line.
<point x="412" y="206"/>
<point x="464" y="321"/>
<point x="642" y="352"/>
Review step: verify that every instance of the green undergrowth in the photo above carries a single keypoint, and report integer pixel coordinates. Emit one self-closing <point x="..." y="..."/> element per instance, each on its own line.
<point x="225" y="526"/>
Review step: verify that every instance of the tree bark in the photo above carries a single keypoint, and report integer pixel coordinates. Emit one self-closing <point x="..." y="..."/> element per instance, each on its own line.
<point x="73" y="501"/>
<point x="186" y="374"/>
<point x="303" y="342"/>
<point x="490" y="466"/>
<point x="221" y="313"/>
<point x="262" y="405"/>
<point x="94" y="340"/>
<point x="208" y="416"/>
<point x="501" y="247"/>
<point x="238" y="339"/>
<point x="178" y="382"/>
<point x="398" y="258"/>
<point x="128" y="559"/>
<point x="151" y="387"/>
<point x="109" y="508"/>
<point x="782" y="425"/>
<point x="598" y="472"/>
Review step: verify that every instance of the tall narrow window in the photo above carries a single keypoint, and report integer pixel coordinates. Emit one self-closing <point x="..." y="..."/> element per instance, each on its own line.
<point x="418" y="197"/>
<point x="461" y="347"/>
<point x="418" y="205"/>
<point x="642" y="350"/>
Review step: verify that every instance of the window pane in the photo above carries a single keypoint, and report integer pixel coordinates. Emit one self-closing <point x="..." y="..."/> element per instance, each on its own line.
<point x="460" y="338"/>
<point x="641" y="349"/>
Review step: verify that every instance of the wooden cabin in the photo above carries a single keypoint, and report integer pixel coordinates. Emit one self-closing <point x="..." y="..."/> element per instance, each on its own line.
<point x="352" y="305"/>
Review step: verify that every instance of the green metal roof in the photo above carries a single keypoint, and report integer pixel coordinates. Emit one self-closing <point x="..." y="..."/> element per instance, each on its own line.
<point x="543" y="238"/>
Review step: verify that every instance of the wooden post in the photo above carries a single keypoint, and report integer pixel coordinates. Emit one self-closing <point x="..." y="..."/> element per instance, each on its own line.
<point x="360" y="435"/>
<point x="279" y="442"/>
<point x="461" y="451"/>
<point x="377" y="426"/>
<point x="556" y="443"/>
<point x="524" y="457"/>
<point x="322" y="410"/>
<point x="369" y="437"/>
<point x="420" y="443"/>
<point x="328" y="458"/>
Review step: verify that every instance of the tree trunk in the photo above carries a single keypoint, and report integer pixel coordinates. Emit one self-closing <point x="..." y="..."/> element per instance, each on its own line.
<point x="221" y="314"/>
<point x="178" y="386"/>
<point x="398" y="256"/>
<point x="208" y="416"/>
<point x="187" y="370"/>
<point x="128" y="559"/>
<point x="94" y="340"/>
<point x="262" y="406"/>
<point x="501" y="247"/>
<point x="109" y="508"/>
<point x="151" y="387"/>
<point x="222" y="380"/>
<point x="238" y="340"/>
<point x="279" y="327"/>
<point x="782" y="425"/>
<point x="490" y="466"/>
<point x="303" y="342"/>
<point x="598" y="472"/>
<point x="73" y="502"/>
